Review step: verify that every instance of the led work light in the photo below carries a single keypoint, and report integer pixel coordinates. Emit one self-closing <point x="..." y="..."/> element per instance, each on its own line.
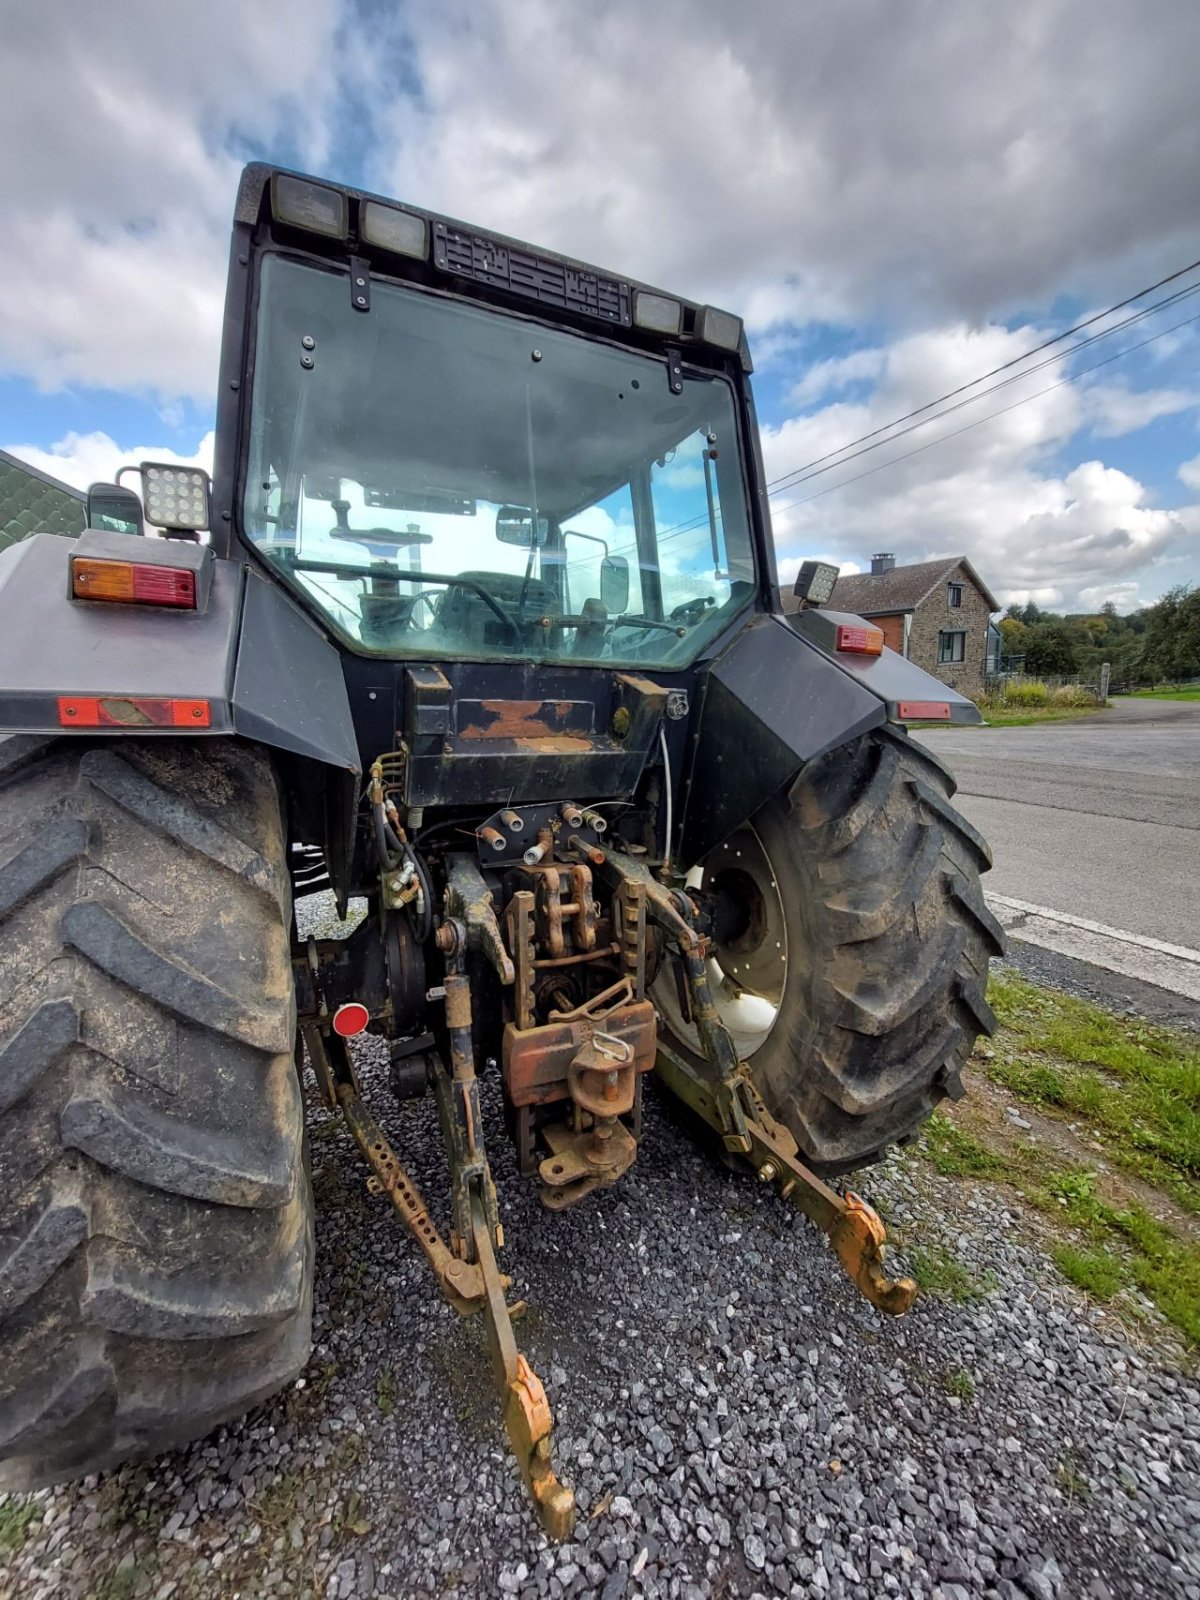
<point x="175" y="497"/>
<point x="815" y="581"/>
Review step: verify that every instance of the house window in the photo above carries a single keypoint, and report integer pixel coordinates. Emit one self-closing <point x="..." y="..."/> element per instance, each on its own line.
<point x="955" y="591"/>
<point x="952" y="646"/>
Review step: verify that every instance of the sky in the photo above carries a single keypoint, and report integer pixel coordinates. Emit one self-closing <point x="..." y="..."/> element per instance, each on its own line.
<point x="897" y="197"/>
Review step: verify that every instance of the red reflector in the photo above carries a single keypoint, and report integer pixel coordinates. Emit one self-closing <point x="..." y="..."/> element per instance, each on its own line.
<point x="859" y="641"/>
<point x="112" y="711"/>
<point x="164" y="586"/>
<point x="924" y="711"/>
<point x="350" y="1019"/>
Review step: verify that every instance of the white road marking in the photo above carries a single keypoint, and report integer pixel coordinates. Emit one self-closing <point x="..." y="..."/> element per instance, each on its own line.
<point x="1169" y="966"/>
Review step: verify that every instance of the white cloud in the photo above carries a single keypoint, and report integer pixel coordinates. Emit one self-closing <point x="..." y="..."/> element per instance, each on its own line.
<point x="1189" y="472"/>
<point x="990" y="492"/>
<point x="1112" y="409"/>
<point x="864" y="157"/>
<point x="82" y="459"/>
<point x="123" y="126"/>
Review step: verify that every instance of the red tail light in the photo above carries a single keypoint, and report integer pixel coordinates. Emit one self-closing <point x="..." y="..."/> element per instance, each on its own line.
<point x="133" y="583"/>
<point x="859" y="641"/>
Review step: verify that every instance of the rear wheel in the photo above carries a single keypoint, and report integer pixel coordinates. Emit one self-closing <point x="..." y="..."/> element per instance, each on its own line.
<point x="155" y="1210"/>
<point x="850" y="949"/>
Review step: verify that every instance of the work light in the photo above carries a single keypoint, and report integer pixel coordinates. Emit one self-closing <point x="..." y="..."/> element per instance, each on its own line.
<point x="721" y="328"/>
<point x="657" y="313"/>
<point x="175" y="497"/>
<point x="815" y="582"/>
<point x="309" y="205"/>
<point x="395" y="230"/>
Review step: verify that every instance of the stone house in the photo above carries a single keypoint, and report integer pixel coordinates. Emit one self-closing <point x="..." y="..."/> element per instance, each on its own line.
<point x="936" y="613"/>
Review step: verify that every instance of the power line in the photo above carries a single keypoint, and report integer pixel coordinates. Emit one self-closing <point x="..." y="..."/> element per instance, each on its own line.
<point x="951" y="394"/>
<point x="799" y="475"/>
<point x="966" y="428"/>
<point x="792" y="480"/>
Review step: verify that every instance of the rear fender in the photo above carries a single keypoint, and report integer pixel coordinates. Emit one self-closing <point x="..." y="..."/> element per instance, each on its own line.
<point x="264" y="669"/>
<point x="776" y="699"/>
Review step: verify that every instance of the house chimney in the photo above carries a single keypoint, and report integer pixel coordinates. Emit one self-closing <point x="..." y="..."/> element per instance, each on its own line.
<point x="882" y="563"/>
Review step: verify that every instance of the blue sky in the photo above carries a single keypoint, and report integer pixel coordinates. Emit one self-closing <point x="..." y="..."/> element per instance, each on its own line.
<point x="898" y="199"/>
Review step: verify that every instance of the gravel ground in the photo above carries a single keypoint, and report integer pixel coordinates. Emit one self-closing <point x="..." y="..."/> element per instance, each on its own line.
<point x="734" y="1419"/>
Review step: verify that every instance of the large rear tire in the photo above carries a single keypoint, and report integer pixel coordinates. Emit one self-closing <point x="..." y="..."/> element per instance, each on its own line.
<point x="155" y="1209"/>
<point x="852" y="947"/>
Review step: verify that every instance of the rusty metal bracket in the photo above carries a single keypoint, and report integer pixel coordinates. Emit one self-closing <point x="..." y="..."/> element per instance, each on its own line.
<point x="470" y="1286"/>
<point x="470" y="900"/>
<point x="460" y="1281"/>
<point x="526" y="1409"/>
<point x="727" y="1098"/>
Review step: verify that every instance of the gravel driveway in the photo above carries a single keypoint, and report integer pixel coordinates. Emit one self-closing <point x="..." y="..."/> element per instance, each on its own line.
<point x="734" y="1419"/>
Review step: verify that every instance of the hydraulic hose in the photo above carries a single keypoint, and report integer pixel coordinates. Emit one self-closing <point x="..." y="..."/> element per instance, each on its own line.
<point x="389" y="844"/>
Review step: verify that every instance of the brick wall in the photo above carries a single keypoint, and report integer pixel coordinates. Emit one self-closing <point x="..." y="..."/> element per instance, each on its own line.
<point x="934" y="615"/>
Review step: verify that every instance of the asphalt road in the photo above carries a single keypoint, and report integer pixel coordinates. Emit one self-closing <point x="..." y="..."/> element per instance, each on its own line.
<point x="1097" y="819"/>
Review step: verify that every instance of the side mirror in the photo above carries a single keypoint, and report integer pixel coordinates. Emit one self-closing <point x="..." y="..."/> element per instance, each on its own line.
<point x="514" y="525"/>
<point x="113" y="509"/>
<point x="614" y="584"/>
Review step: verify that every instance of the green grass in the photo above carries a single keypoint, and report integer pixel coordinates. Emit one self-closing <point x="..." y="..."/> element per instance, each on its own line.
<point x="1137" y="1086"/>
<point x="939" y="1273"/>
<point x="957" y="1153"/>
<point x="1131" y="1090"/>
<point x="1165" y="694"/>
<point x="385" y="1392"/>
<point x="957" y="1381"/>
<point x="15" y="1520"/>
<point x="1023" y="716"/>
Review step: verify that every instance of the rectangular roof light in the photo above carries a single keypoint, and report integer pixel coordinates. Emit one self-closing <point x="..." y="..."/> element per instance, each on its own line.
<point x="721" y="328"/>
<point x="657" y="313"/>
<point x="392" y="229"/>
<point x="311" y="206"/>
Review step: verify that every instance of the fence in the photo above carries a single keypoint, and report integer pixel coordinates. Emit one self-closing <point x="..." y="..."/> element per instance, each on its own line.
<point x="1097" y="682"/>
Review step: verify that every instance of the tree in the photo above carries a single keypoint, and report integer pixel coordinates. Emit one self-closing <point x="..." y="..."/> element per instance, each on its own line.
<point x="1171" y="647"/>
<point x="1050" y="648"/>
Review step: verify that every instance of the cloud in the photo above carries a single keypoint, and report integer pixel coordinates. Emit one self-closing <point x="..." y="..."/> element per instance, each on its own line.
<point x="84" y="458"/>
<point x="125" y="126"/>
<point x="992" y="492"/>
<point x="935" y="159"/>
<point x="1189" y="472"/>
<point x="1112" y="409"/>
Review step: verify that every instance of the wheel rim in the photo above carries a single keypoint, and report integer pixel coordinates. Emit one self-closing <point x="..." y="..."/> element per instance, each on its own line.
<point x="747" y="967"/>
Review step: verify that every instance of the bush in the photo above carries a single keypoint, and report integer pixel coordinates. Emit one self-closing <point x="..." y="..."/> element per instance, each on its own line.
<point x="1072" y="694"/>
<point x="1026" y="692"/>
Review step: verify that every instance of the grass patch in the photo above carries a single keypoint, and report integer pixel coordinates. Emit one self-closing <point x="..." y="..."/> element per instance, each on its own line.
<point x="1166" y="694"/>
<point x="385" y="1392"/>
<point x="1092" y="1270"/>
<point x="959" y="1383"/>
<point x="940" y="1273"/>
<point x="957" y="1153"/>
<point x="1132" y="1092"/>
<point x="1071" y="1480"/>
<point x="1024" y="716"/>
<point x="16" y="1518"/>
<point x="1137" y="1086"/>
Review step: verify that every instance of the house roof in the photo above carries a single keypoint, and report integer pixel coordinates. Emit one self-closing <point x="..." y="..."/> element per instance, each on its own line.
<point x="903" y="588"/>
<point x="34" y="502"/>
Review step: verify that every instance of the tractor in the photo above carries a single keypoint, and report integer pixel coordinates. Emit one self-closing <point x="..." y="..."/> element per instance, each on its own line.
<point x="476" y="624"/>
